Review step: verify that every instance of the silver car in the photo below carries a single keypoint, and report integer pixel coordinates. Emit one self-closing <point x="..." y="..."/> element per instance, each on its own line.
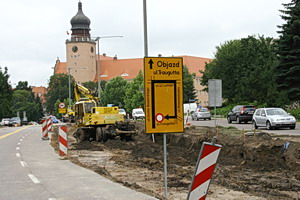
<point x="273" y="118"/>
<point x="201" y="113"/>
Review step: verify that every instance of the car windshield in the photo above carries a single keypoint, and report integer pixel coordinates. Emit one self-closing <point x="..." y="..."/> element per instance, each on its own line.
<point x="276" y="112"/>
<point x="203" y="110"/>
<point x="139" y="112"/>
<point x="121" y="110"/>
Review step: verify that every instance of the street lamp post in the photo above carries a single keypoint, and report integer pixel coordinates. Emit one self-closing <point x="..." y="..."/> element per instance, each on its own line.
<point x="98" y="63"/>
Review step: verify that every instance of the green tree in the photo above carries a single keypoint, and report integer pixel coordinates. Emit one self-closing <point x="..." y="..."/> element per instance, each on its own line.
<point x="23" y="85"/>
<point x="5" y="94"/>
<point x="58" y="90"/>
<point x="289" y="51"/>
<point x="114" y="92"/>
<point x="92" y="86"/>
<point x="247" y="70"/>
<point x="189" y="91"/>
<point x="23" y="100"/>
<point x="134" y="96"/>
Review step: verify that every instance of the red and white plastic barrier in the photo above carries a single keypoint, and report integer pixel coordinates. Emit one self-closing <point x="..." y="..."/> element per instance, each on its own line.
<point x="204" y="170"/>
<point x="49" y="124"/>
<point x="44" y="129"/>
<point x="63" y="141"/>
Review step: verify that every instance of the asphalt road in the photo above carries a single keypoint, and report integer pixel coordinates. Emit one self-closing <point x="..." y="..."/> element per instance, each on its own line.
<point x="248" y="127"/>
<point x="29" y="170"/>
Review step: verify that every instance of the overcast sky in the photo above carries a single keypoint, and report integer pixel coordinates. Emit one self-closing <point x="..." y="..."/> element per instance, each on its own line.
<point x="33" y="32"/>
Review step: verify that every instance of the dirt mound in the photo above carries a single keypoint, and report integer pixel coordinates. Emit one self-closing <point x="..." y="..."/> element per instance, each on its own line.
<point x="257" y="165"/>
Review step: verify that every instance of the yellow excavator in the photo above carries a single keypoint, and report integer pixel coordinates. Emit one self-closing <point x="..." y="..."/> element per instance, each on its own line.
<point x="98" y="123"/>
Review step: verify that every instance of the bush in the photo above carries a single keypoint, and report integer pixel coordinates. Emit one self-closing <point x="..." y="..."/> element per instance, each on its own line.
<point x="295" y="113"/>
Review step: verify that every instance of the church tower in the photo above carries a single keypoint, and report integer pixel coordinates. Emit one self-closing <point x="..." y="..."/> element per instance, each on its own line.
<point x="81" y="49"/>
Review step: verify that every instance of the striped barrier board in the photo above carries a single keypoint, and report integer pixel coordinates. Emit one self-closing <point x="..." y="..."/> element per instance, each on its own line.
<point x="206" y="164"/>
<point x="63" y="141"/>
<point x="49" y="124"/>
<point x="44" y="130"/>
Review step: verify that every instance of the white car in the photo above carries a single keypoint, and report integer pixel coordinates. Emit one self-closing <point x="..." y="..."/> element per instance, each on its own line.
<point x="122" y="111"/>
<point x="138" y="113"/>
<point x="273" y="118"/>
<point x="5" y="122"/>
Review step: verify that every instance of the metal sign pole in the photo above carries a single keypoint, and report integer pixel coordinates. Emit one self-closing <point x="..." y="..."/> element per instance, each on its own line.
<point x="165" y="166"/>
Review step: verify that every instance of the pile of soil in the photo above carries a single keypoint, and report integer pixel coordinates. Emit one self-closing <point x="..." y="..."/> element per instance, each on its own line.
<point x="257" y="165"/>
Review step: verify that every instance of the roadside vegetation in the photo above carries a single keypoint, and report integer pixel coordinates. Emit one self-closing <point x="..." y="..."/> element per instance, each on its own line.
<point x="260" y="71"/>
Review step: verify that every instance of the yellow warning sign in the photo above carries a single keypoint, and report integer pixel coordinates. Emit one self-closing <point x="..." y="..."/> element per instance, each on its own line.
<point x="62" y="110"/>
<point x="163" y="89"/>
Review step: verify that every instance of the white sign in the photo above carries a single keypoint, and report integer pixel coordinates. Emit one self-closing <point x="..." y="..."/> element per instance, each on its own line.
<point x="215" y="93"/>
<point x="62" y="105"/>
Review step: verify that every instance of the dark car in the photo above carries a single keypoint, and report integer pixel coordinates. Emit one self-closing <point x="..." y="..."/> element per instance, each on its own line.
<point x="241" y="113"/>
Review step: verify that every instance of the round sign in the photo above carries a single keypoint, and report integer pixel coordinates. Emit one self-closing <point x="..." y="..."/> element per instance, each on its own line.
<point x="159" y="117"/>
<point x="61" y="105"/>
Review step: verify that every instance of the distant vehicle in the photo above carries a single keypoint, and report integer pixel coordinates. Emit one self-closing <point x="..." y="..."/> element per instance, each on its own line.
<point x="4" y="122"/>
<point x="241" y="113"/>
<point x="54" y="119"/>
<point x="189" y="107"/>
<point x="122" y="111"/>
<point x="138" y="113"/>
<point x="273" y="118"/>
<point x="33" y="123"/>
<point x="14" y="121"/>
<point x="201" y="113"/>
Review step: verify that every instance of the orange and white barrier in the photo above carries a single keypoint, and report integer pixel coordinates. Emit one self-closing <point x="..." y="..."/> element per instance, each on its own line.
<point x="205" y="167"/>
<point x="44" y="130"/>
<point x="49" y="124"/>
<point x="63" y="141"/>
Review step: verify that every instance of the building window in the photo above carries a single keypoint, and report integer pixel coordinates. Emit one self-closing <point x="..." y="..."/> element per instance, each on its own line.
<point x="78" y="56"/>
<point x="71" y="56"/>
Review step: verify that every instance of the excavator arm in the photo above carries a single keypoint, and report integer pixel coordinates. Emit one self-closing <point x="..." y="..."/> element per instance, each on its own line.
<point x="81" y="91"/>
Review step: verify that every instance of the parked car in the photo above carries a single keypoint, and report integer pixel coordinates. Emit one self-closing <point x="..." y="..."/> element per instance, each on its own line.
<point x="273" y="118"/>
<point x="122" y="111"/>
<point x="201" y="113"/>
<point x="14" y="121"/>
<point x="241" y="113"/>
<point x="138" y="113"/>
<point x="4" y="122"/>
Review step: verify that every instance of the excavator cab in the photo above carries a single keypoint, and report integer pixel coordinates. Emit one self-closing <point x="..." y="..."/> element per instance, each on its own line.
<point x="83" y="110"/>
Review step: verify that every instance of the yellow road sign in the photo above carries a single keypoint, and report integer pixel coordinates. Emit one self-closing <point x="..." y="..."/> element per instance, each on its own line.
<point x="62" y="110"/>
<point x="163" y="89"/>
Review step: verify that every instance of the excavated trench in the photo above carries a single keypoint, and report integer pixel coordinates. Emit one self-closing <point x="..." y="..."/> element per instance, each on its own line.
<point x="258" y="166"/>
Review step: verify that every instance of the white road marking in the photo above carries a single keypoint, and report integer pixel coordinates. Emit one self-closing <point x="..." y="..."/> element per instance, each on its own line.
<point x="18" y="154"/>
<point x="23" y="163"/>
<point x="19" y="143"/>
<point x="18" y="148"/>
<point x="21" y="140"/>
<point x="51" y="199"/>
<point x="34" y="179"/>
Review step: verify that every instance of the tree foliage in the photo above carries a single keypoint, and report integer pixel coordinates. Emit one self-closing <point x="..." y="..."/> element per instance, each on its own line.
<point x="58" y="89"/>
<point x="247" y="70"/>
<point x="289" y="51"/>
<point x="23" y="85"/>
<point x="92" y="86"/>
<point x="23" y="100"/>
<point x="134" y="96"/>
<point x="189" y="91"/>
<point x="5" y="94"/>
<point x="114" y="92"/>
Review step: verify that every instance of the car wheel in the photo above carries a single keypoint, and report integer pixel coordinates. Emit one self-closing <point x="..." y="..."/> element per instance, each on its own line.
<point x="209" y="119"/>
<point x="238" y="120"/>
<point x="292" y="127"/>
<point x="229" y="120"/>
<point x="254" y="125"/>
<point x="269" y="126"/>
<point x="246" y="122"/>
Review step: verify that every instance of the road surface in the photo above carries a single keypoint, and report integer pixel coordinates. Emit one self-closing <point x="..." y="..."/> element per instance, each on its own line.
<point x="223" y="122"/>
<point x="29" y="169"/>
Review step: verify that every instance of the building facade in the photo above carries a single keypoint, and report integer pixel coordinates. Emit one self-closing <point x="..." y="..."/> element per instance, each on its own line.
<point x="81" y="59"/>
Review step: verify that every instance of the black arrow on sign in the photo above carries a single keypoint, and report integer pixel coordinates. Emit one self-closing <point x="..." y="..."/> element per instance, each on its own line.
<point x="151" y="63"/>
<point x="170" y="117"/>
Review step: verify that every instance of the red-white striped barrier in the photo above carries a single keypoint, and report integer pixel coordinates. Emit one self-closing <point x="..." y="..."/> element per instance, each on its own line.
<point x="44" y="130"/>
<point x="63" y="141"/>
<point x="49" y="124"/>
<point x="205" y="167"/>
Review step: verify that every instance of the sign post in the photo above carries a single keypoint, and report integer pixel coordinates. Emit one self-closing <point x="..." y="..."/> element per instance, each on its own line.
<point x="163" y="89"/>
<point x="215" y="95"/>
